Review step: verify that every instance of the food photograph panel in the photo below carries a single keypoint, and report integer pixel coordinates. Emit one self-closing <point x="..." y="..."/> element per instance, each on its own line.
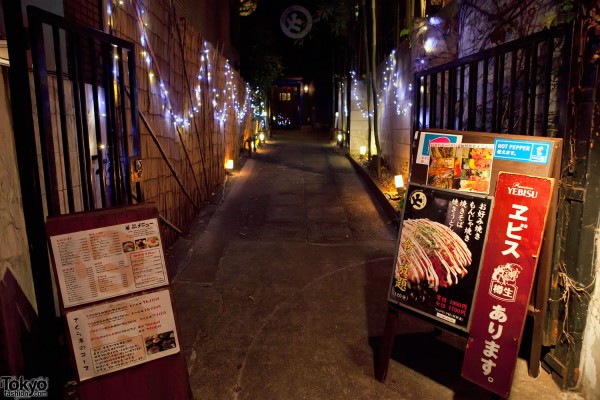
<point x="439" y="252"/>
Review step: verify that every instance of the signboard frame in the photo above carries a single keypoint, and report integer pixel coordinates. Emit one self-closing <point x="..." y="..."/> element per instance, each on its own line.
<point x="162" y="377"/>
<point x="461" y="219"/>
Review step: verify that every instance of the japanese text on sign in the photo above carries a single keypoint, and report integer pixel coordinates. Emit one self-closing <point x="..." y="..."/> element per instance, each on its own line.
<point x="469" y="217"/>
<point x="438" y="253"/>
<point x="506" y="278"/>
<point x="537" y="152"/>
<point x="105" y="262"/>
<point x="118" y="335"/>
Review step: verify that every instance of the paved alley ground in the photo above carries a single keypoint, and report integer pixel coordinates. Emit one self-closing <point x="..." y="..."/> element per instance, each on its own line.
<point x="280" y="290"/>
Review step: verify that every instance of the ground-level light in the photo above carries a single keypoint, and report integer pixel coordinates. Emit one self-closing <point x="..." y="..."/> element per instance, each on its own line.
<point x="363" y="150"/>
<point x="339" y="137"/>
<point x="261" y="137"/>
<point x="399" y="182"/>
<point x="229" y="165"/>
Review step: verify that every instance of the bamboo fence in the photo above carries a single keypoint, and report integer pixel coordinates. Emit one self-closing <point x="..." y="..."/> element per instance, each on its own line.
<point x="194" y="110"/>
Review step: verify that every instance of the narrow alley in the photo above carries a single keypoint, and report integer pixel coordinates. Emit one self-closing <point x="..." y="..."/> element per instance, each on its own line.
<point x="280" y="289"/>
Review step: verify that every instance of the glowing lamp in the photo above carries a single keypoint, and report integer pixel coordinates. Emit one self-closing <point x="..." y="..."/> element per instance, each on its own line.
<point x="261" y="137"/>
<point x="229" y="165"/>
<point x="399" y="181"/>
<point x="305" y="88"/>
<point x="339" y="137"/>
<point x="363" y="151"/>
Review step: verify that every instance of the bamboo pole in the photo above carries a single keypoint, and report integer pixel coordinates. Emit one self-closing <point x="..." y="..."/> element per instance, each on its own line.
<point x="195" y="124"/>
<point x="164" y="155"/>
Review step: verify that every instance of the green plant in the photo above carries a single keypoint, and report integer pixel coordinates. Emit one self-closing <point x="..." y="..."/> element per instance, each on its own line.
<point x="565" y="12"/>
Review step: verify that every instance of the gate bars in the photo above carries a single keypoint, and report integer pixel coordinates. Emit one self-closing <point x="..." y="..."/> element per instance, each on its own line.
<point x="504" y="89"/>
<point x="85" y="149"/>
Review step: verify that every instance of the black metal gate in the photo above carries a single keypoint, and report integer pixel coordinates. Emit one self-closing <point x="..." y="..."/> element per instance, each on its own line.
<point x="511" y="88"/>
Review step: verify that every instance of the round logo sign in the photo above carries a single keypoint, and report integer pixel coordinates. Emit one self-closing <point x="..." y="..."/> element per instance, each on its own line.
<point x="418" y="200"/>
<point x="295" y="22"/>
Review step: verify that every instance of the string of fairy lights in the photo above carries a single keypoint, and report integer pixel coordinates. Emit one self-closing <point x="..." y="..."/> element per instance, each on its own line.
<point x="225" y="102"/>
<point x="392" y="81"/>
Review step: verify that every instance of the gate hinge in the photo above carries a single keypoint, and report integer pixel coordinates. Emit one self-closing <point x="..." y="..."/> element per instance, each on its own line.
<point x="574" y="194"/>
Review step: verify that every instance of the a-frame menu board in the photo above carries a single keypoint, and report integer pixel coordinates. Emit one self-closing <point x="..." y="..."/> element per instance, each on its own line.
<point x="114" y="296"/>
<point x="442" y="240"/>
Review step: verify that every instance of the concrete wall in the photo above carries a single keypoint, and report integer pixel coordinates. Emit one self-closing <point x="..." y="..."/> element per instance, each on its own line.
<point x="395" y="115"/>
<point x="394" y="109"/>
<point x="359" y="124"/>
<point x="18" y="306"/>
<point x="14" y="253"/>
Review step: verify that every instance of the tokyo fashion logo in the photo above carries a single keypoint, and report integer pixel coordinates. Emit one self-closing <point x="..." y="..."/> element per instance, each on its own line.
<point x="21" y="388"/>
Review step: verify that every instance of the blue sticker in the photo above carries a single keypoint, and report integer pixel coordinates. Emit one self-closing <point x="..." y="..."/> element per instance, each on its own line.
<point x="522" y="150"/>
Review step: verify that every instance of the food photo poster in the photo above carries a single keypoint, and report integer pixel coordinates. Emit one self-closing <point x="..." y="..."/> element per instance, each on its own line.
<point x="439" y="253"/>
<point x="460" y="166"/>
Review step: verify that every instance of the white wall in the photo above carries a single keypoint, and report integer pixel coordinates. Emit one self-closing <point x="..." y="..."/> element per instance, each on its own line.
<point x="590" y="352"/>
<point x="394" y="109"/>
<point x="359" y="125"/>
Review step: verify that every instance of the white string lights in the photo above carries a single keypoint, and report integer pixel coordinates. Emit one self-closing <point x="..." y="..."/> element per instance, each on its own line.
<point x="224" y="103"/>
<point x="392" y="82"/>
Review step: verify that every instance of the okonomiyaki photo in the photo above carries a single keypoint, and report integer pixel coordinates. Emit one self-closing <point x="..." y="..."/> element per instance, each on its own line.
<point x="431" y="255"/>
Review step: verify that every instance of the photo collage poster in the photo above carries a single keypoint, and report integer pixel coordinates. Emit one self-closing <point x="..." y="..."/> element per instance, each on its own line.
<point x="460" y="166"/>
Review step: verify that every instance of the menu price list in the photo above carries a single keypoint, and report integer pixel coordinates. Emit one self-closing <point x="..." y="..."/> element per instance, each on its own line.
<point x="120" y="334"/>
<point x="110" y="261"/>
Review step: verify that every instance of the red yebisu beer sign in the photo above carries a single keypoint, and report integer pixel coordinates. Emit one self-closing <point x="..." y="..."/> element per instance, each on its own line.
<point x="505" y="280"/>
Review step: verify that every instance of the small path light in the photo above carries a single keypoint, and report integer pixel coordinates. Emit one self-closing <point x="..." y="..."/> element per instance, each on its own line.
<point x="399" y="183"/>
<point x="261" y="137"/>
<point x="363" y="152"/>
<point x="229" y="165"/>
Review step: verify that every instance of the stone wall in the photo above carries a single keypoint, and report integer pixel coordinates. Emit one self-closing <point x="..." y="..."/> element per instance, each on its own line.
<point x="485" y="24"/>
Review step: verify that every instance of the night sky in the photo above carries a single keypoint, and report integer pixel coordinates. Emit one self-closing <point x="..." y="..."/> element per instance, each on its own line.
<point x="310" y="58"/>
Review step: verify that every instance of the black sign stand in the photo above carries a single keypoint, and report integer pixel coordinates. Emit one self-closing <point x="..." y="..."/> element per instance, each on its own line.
<point x="392" y="321"/>
<point x="387" y="343"/>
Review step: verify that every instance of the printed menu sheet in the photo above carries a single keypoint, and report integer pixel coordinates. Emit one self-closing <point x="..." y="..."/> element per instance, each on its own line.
<point x="120" y="334"/>
<point x="101" y="263"/>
